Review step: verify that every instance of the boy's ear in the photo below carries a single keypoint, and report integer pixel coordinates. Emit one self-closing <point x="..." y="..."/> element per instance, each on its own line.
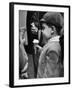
<point x="53" y="29"/>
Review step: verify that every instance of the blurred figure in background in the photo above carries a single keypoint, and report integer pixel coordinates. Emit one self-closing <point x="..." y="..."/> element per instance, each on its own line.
<point x="23" y="58"/>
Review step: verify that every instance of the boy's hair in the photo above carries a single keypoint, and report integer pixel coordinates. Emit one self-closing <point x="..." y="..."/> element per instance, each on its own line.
<point x="58" y="29"/>
<point x="53" y="19"/>
<point x="35" y="19"/>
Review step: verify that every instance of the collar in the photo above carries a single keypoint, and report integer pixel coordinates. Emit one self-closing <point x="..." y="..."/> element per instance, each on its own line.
<point x="55" y="38"/>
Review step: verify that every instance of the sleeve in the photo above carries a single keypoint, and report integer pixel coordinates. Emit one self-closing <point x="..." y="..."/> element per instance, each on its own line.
<point x="53" y="52"/>
<point x="52" y="66"/>
<point x="52" y="56"/>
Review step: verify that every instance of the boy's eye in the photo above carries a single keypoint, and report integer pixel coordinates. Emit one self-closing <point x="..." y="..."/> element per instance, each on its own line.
<point x="43" y="28"/>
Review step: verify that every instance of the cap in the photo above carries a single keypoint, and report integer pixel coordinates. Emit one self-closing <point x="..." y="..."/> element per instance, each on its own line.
<point x="53" y="18"/>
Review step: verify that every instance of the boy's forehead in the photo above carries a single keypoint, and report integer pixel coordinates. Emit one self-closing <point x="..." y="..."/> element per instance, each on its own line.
<point x="32" y="23"/>
<point x="44" y="24"/>
<point x="35" y="23"/>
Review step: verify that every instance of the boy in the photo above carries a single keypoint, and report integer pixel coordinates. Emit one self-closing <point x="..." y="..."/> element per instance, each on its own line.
<point x="50" y="56"/>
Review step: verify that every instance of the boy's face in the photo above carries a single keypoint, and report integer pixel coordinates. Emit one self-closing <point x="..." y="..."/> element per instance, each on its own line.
<point x="46" y="31"/>
<point x="34" y="28"/>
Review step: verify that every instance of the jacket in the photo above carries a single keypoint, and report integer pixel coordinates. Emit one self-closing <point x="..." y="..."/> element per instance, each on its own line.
<point x="49" y="60"/>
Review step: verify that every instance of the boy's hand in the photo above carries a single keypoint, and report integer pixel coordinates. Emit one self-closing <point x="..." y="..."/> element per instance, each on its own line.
<point x="38" y="47"/>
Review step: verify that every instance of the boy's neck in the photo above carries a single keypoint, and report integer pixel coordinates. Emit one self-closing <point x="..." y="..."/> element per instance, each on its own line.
<point x="46" y="40"/>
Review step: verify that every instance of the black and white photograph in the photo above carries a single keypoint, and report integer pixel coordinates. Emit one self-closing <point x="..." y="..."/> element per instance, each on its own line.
<point x="40" y="44"/>
<point x="43" y="49"/>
